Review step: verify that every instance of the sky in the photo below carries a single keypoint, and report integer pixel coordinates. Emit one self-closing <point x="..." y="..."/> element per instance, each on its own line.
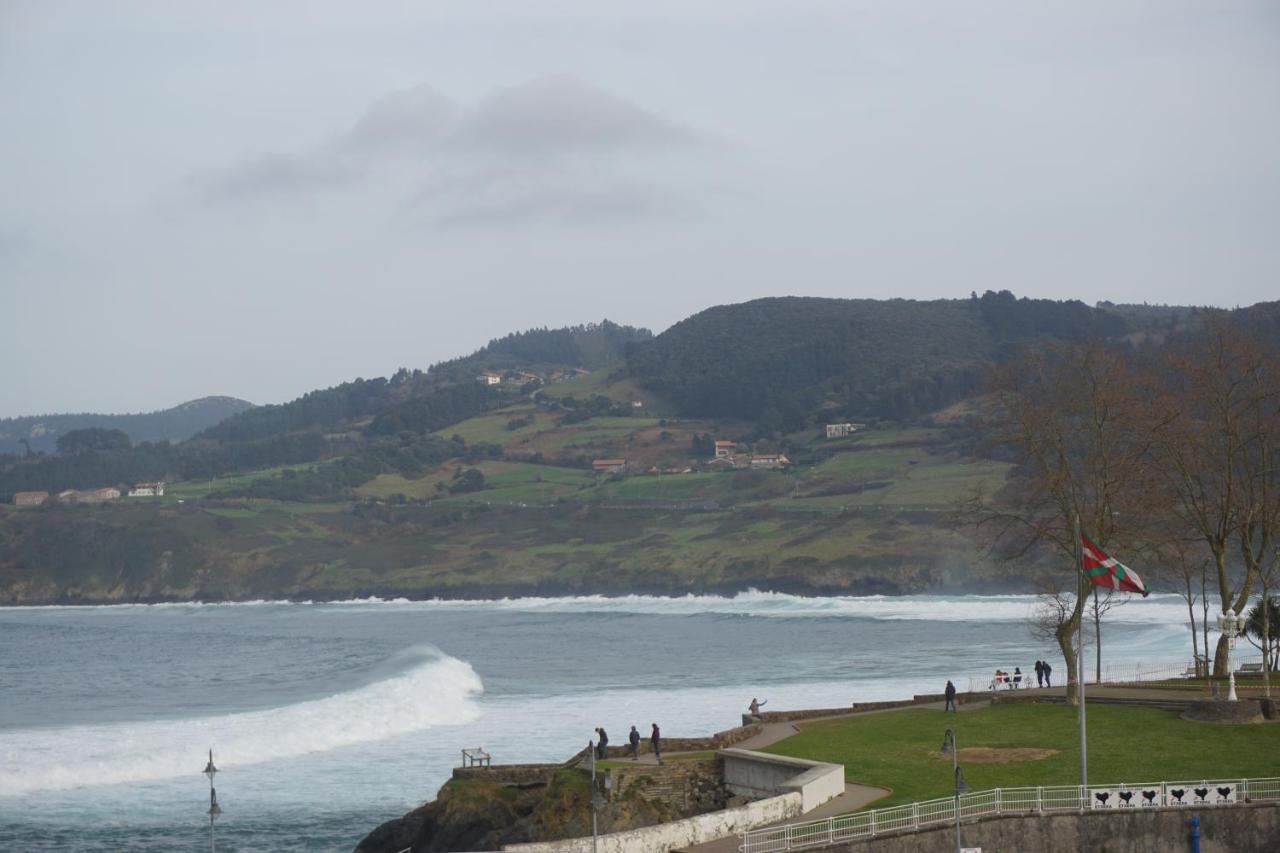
<point x="262" y="198"/>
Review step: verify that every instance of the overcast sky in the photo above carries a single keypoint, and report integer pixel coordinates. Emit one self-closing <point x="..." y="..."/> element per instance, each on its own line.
<point x="262" y="198"/>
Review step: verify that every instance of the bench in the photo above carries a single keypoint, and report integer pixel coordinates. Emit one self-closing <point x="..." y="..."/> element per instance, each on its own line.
<point x="475" y="758"/>
<point x="1249" y="669"/>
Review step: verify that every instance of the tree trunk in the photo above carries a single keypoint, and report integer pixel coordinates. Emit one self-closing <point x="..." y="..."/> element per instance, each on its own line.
<point x="1065" y="633"/>
<point x="1220" y="657"/>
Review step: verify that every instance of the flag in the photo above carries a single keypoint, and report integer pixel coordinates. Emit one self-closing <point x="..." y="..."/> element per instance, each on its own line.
<point x="1104" y="570"/>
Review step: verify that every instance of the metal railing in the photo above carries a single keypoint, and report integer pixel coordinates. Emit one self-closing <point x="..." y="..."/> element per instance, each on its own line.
<point x="1199" y="793"/>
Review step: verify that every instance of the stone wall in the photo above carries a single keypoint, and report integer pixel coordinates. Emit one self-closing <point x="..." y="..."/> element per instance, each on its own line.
<point x="1238" y="829"/>
<point x="688" y="787"/>
<point x="719" y="740"/>
<point x="856" y="707"/>
<point x="509" y="774"/>
<point x="681" y="833"/>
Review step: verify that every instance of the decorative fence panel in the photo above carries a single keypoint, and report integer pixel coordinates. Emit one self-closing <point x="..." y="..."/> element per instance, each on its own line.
<point x="1199" y="793"/>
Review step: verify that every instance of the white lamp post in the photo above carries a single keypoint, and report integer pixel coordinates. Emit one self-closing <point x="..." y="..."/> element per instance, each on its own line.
<point x="214" y="808"/>
<point x="1231" y="626"/>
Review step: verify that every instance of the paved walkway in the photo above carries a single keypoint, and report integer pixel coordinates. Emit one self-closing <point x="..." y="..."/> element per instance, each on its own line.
<point x="855" y="797"/>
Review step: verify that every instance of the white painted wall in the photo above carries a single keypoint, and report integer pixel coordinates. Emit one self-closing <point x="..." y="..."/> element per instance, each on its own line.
<point x="680" y="833"/>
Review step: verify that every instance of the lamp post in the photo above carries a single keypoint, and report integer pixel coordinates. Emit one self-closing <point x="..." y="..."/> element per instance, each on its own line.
<point x="1231" y="626"/>
<point x="949" y="747"/>
<point x="214" y="808"/>
<point x="596" y="799"/>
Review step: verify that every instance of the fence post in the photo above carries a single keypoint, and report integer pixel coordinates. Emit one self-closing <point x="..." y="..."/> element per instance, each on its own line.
<point x="873" y="822"/>
<point x="999" y="799"/>
<point x="831" y="830"/>
<point x="915" y="815"/>
<point x="1039" y="799"/>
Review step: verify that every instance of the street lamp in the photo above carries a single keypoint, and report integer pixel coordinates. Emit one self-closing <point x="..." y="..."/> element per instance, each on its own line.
<point x="1231" y="626"/>
<point x="214" y="808"/>
<point x="949" y="747"/>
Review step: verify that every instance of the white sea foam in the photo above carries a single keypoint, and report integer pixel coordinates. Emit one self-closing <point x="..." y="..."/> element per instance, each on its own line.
<point x="436" y="690"/>
<point x="1163" y="609"/>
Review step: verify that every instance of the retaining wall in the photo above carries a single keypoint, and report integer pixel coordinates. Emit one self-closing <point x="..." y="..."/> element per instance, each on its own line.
<point x="680" y="833"/>
<point x="1237" y="829"/>
<point x="759" y="774"/>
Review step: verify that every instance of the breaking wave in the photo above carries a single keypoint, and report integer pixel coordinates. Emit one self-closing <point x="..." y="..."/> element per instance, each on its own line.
<point x="1163" y="609"/>
<point x="435" y="690"/>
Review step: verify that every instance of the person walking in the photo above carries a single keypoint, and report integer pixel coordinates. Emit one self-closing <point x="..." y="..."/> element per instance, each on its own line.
<point x="1039" y="674"/>
<point x="950" y="693"/>
<point x="1048" y="670"/>
<point x="602" y="745"/>
<point x="634" y="738"/>
<point x="655" y="743"/>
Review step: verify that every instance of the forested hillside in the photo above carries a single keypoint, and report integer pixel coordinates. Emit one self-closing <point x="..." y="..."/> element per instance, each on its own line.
<point x="779" y="361"/>
<point x="39" y="433"/>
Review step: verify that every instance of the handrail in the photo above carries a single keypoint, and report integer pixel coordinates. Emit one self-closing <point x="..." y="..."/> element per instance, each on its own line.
<point x="912" y="817"/>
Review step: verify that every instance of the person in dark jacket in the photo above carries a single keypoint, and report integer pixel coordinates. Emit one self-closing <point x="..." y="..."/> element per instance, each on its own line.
<point x="1039" y="674"/>
<point x="655" y="743"/>
<point x="634" y="738"/>
<point x="950" y="693"/>
<point x="1017" y="677"/>
<point x="1048" y="670"/>
<point x="602" y="745"/>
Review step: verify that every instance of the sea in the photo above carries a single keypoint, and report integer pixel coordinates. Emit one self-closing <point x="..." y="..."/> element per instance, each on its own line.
<point x="327" y="719"/>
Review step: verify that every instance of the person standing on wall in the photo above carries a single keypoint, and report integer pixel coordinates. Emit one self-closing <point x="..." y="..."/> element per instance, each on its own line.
<point x="602" y="745"/>
<point x="950" y="693"/>
<point x="655" y="743"/>
<point x="1047" y="671"/>
<point x="634" y="739"/>
<point x="1039" y="674"/>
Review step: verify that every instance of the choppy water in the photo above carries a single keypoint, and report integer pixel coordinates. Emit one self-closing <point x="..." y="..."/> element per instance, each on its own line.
<point x="327" y="719"/>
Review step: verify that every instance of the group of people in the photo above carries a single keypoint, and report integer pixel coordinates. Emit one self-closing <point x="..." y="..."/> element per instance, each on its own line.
<point x="1004" y="679"/>
<point x="1044" y="674"/>
<point x="633" y="740"/>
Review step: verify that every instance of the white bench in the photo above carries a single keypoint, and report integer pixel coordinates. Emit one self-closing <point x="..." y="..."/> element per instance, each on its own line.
<point x="1249" y="669"/>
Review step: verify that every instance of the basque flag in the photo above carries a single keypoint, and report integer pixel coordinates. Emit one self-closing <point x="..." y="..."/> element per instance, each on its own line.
<point x="1104" y="570"/>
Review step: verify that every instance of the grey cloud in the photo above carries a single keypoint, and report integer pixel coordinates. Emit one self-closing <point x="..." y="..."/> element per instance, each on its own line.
<point x="267" y="175"/>
<point x="516" y="156"/>
<point x="408" y="122"/>
<point x="561" y="114"/>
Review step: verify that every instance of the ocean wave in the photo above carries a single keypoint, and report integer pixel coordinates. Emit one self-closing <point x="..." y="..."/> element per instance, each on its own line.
<point x="1160" y="609"/>
<point x="1155" y="610"/>
<point x="435" y="690"/>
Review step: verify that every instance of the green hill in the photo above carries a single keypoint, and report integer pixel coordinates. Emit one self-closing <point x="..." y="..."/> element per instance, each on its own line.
<point x="40" y="432"/>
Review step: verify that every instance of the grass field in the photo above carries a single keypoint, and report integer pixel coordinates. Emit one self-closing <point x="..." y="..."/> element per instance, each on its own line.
<point x="900" y="749"/>
<point x="203" y="488"/>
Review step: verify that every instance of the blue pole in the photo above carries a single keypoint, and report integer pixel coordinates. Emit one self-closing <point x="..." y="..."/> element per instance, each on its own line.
<point x="1195" y="834"/>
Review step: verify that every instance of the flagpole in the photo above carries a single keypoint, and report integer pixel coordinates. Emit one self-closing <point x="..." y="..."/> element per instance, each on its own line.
<point x="1084" y="751"/>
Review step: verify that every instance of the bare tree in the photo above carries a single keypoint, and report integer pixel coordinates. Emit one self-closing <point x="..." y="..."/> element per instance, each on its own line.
<point x="1067" y="412"/>
<point x="1215" y="405"/>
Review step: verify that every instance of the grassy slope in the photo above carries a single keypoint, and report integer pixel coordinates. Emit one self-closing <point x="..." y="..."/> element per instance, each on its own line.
<point x="868" y="518"/>
<point x="899" y="750"/>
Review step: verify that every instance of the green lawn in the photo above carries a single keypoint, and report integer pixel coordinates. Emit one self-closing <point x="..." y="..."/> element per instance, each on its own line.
<point x="202" y="488"/>
<point x="899" y="749"/>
